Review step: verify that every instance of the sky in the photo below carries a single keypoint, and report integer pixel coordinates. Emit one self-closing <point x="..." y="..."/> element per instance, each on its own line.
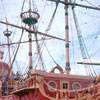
<point x="89" y="23"/>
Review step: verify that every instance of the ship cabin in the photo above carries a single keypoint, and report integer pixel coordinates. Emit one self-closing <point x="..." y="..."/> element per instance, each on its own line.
<point x="58" y="85"/>
<point x="50" y="85"/>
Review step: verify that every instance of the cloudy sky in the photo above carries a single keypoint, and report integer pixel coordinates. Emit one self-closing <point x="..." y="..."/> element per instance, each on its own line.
<point x="89" y="23"/>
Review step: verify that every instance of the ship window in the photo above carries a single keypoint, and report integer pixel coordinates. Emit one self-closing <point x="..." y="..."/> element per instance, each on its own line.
<point x="65" y="85"/>
<point x="53" y="84"/>
<point x="76" y="86"/>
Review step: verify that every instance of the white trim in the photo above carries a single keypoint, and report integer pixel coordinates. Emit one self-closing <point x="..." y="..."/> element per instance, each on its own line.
<point x="51" y="90"/>
<point x="76" y="83"/>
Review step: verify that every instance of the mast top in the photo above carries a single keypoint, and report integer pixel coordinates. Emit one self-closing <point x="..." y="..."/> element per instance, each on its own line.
<point x="7" y="33"/>
<point x="30" y="17"/>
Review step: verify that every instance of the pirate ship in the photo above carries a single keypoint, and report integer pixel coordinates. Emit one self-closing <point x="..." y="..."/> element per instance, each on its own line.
<point x="38" y="84"/>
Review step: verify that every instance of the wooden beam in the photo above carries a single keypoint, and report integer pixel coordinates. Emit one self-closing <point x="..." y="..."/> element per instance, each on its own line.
<point x="88" y="63"/>
<point x="32" y="31"/>
<point x="24" y="42"/>
<point x="76" y="4"/>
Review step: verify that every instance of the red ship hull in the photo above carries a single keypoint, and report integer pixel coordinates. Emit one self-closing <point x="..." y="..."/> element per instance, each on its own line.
<point x="54" y="86"/>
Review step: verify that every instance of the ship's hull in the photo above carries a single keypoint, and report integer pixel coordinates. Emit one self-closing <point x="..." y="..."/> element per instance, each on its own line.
<point x="39" y="96"/>
<point x="53" y="86"/>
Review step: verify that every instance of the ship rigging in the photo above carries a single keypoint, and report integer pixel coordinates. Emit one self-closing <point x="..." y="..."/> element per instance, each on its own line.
<point x="36" y="82"/>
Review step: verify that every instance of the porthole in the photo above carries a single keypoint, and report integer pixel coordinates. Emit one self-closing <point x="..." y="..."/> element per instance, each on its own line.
<point x="52" y="84"/>
<point x="76" y="86"/>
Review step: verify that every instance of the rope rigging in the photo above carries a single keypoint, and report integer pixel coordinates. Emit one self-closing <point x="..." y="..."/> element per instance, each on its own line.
<point x="40" y="45"/>
<point x="7" y="29"/>
<point x="40" y="55"/>
<point x="81" y="43"/>
<point x="49" y="27"/>
<point x="52" y="18"/>
<point x="95" y="39"/>
<point x="95" y="33"/>
<point x="22" y="6"/>
<point x="73" y="51"/>
<point x="16" y="51"/>
<point x="50" y="55"/>
<point x="90" y="3"/>
<point x="84" y="52"/>
<point x="38" y="32"/>
<point x="25" y="70"/>
<point x="47" y="31"/>
<point x="4" y="10"/>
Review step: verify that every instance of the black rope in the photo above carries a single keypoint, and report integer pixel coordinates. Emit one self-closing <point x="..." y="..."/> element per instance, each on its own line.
<point x="16" y="52"/>
<point x="80" y="41"/>
<point x="82" y="44"/>
<point x="40" y="55"/>
<point x="18" y="47"/>
<point x="91" y="3"/>
<point x="22" y="6"/>
<point x="50" y="23"/>
<point x="52" y="18"/>
<point x="50" y="55"/>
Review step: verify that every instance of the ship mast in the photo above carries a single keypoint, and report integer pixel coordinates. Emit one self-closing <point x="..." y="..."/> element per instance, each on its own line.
<point x="30" y="40"/>
<point x="30" y="18"/>
<point x="67" y="68"/>
<point x="69" y="3"/>
<point x="7" y="33"/>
